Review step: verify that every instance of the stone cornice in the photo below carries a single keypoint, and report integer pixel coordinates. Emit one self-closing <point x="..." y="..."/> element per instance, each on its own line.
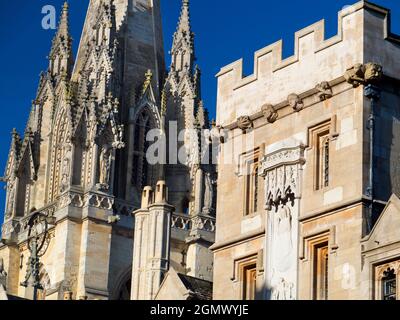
<point x="284" y="104"/>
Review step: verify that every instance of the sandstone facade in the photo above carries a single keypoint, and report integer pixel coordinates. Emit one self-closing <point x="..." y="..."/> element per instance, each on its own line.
<point x="82" y="162"/>
<point x="309" y="164"/>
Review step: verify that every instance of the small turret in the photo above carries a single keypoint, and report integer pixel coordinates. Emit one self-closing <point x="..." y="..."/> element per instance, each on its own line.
<point x="147" y="197"/>
<point x="161" y="196"/>
<point x="182" y="51"/>
<point x="60" y="58"/>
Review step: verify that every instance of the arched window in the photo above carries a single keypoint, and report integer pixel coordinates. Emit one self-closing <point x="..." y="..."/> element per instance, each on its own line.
<point x="252" y="187"/>
<point x="323" y="161"/>
<point x="389" y="285"/>
<point x="23" y="190"/>
<point x="143" y="173"/>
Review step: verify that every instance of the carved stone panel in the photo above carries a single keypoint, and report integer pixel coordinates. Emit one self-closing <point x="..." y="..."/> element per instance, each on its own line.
<point x="282" y="173"/>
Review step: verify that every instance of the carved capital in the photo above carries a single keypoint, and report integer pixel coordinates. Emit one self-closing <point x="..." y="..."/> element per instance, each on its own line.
<point x="269" y="113"/>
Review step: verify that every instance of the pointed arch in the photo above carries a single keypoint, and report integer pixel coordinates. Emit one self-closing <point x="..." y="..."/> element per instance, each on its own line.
<point x="61" y="154"/>
<point x="26" y="172"/>
<point x="122" y="289"/>
<point x="143" y="173"/>
<point x="80" y="141"/>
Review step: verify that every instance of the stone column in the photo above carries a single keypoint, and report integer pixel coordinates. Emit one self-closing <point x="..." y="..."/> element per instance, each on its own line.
<point x="159" y="239"/>
<point x="282" y="172"/>
<point x="140" y="243"/>
<point x="151" y="243"/>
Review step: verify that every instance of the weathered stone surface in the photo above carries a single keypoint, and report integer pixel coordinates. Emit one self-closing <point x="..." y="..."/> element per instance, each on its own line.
<point x="296" y="213"/>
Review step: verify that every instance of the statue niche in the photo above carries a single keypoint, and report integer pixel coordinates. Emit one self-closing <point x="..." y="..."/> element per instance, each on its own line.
<point x="105" y="163"/>
<point x="66" y="166"/>
<point x="10" y="199"/>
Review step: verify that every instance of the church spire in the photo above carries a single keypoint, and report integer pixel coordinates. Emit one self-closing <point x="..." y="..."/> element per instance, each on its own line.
<point x="63" y="28"/>
<point x="61" y="60"/>
<point x="183" y="45"/>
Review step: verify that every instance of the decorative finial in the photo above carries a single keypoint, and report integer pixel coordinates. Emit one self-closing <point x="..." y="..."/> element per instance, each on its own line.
<point x="65" y="6"/>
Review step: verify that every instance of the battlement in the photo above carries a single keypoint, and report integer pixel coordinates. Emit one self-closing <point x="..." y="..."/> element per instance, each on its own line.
<point x="360" y="29"/>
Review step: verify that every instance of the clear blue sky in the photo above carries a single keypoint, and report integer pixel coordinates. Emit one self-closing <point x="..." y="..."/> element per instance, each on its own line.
<point x="226" y="30"/>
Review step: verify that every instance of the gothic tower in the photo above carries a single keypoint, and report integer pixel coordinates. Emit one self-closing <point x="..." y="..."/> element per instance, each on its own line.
<point x="189" y="175"/>
<point x="82" y="159"/>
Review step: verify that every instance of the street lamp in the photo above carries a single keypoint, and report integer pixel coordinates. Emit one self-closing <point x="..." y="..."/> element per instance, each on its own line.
<point x="38" y="229"/>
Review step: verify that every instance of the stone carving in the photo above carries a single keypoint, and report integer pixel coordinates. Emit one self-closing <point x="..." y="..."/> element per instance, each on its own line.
<point x="363" y="74"/>
<point x="3" y="273"/>
<point x="244" y="123"/>
<point x="198" y="222"/>
<point x="99" y="201"/>
<point x="295" y="102"/>
<point x="283" y="291"/>
<point x="324" y="90"/>
<point x="217" y="134"/>
<point x="283" y="233"/>
<point x="66" y="167"/>
<point x="281" y="175"/>
<point x="373" y="72"/>
<point x="208" y="193"/>
<point x="281" y="170"/>
<point x="105" y="167"/>
<point x="10" y="199"/>
<point x="269" y="112"/>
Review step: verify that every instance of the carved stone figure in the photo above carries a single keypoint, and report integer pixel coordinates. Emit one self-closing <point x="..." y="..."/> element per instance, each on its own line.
<point x="324" y="90"/>
<point x="66" y="167"/>
<point x="105" y="166"/>
<point x="208" y="193"/>
<point x="218" y="135"/>
<point x="283" y="235"/>
<point x="269" y="113"/>
<point x="283" y="291"/>
<point x="373" y="72"/>
<point x="10" y="199"/>
<point x="363" y="74"/>
<point x="355" y="75"/>
<point x="295" y="102"/>
<point x="244" y="123"/>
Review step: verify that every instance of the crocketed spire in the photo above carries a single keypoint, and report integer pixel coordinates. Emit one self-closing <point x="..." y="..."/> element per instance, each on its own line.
<point x="183" y="45"/>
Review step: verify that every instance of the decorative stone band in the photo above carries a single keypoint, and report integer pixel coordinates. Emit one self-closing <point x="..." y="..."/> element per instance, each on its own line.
<point x="70" y="198"/>
<point x="187" y="223"/>
<point x="123" y="208"/>
<point x="281" y="171"/>
<point x="359" y="74"/>
<point x="290" y="155"/>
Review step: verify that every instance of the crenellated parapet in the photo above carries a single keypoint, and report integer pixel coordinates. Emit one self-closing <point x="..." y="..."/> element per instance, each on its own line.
<point x="315" y="60"/>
